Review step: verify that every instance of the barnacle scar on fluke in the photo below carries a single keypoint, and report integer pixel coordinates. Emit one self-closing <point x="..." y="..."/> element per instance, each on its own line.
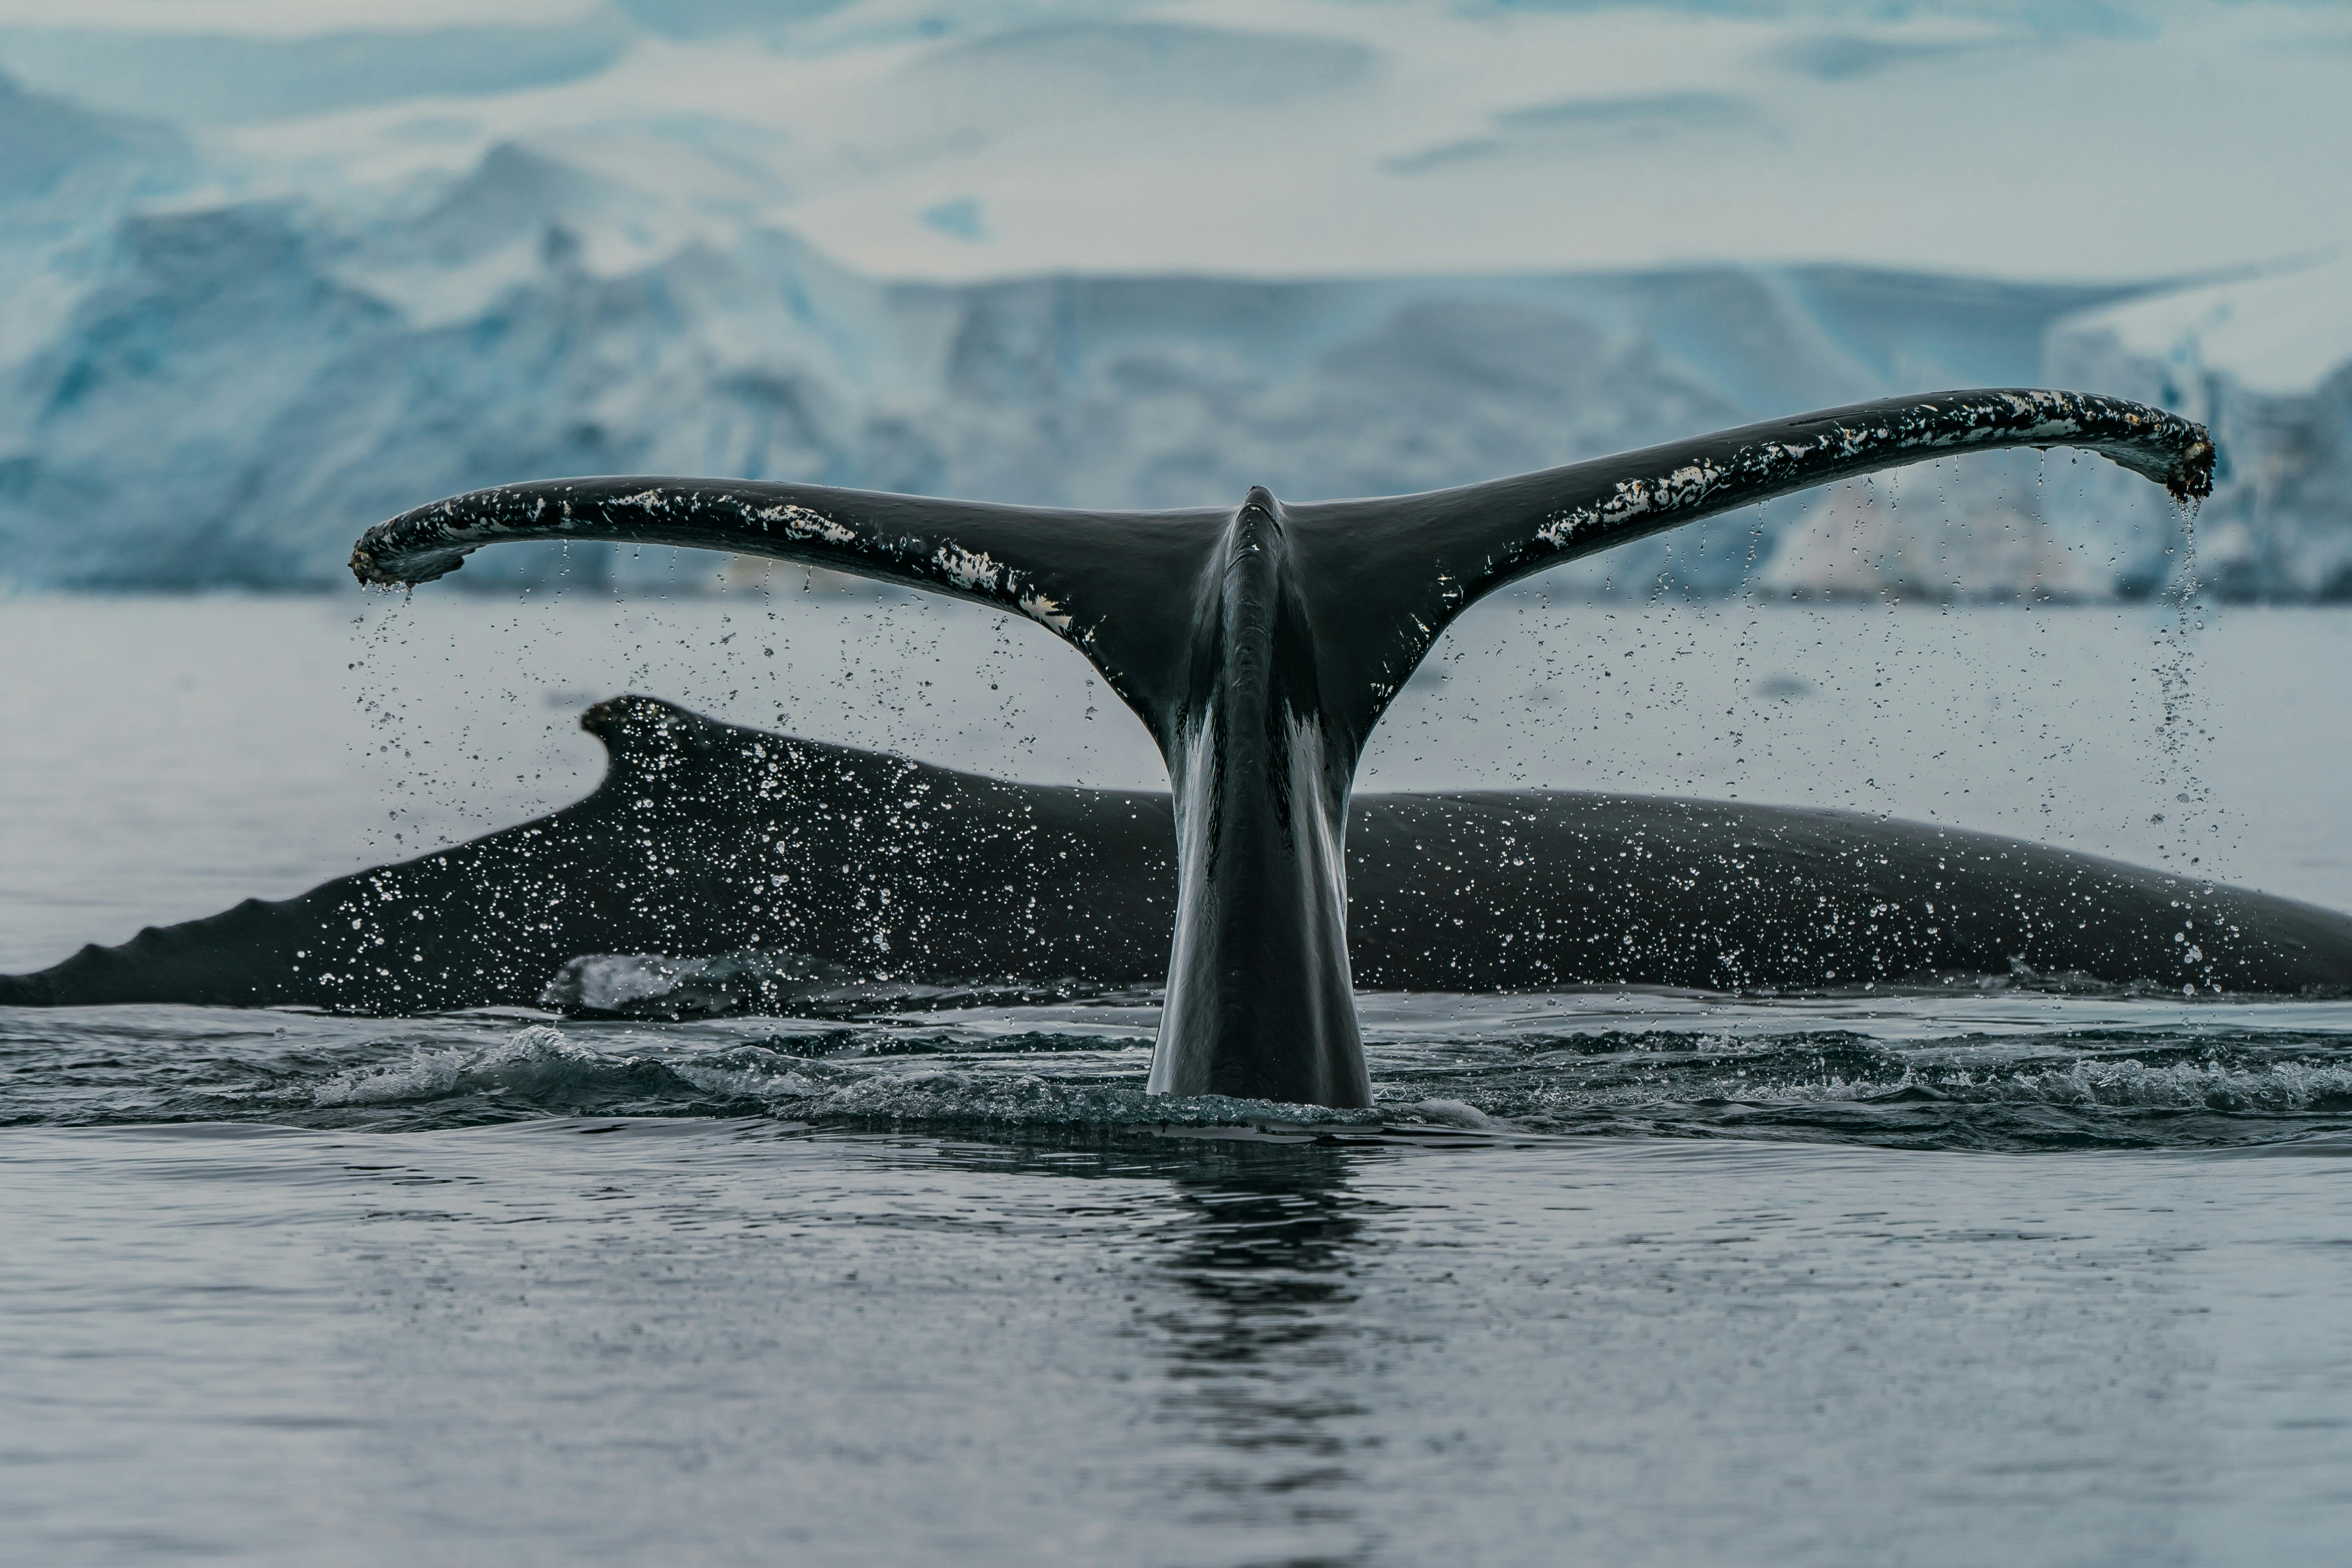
<point x="1261" y="645"/>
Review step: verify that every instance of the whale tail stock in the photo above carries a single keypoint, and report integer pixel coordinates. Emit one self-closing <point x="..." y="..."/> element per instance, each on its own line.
<point x="1261" y="645"/>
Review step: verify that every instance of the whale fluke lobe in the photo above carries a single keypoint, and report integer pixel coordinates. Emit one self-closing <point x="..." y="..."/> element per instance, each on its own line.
<point x="1261" y="645"/>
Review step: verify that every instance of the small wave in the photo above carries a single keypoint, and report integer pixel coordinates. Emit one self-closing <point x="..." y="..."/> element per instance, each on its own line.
<point x="1081" y="1071"/>
<point x="2124" y="1083"/>
<point x="537" y="1067"/>
<point x="541" y="1068"/>
<point x="2286" y="1086"/>
<point x="1446" y="1113"/>
<point x="938" y="1081"/>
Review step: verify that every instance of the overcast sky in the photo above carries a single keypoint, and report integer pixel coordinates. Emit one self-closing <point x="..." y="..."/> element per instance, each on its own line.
<point x="1297" y="136"/>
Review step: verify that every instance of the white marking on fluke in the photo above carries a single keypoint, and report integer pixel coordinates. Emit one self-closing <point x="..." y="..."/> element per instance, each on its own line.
<point x="971" y="569"/>
<point x="1045" y="611"/>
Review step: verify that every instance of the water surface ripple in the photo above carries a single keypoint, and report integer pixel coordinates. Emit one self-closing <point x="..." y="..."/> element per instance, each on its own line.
<point x="1929" y="1071"/>
<point x="499" y="1289"/>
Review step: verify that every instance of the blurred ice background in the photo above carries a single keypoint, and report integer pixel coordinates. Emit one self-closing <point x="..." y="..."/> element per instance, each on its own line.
<point x="271" y="270"/>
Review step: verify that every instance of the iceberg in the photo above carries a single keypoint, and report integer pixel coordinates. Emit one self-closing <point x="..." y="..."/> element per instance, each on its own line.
<point x="244" y="386"/>
<point x="2265" y="362"/>
<point x="394" y="253"/>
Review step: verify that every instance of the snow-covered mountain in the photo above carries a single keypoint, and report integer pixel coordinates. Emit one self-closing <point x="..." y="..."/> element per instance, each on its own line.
<point x="265" y="282"/>
<point x="251" y="385"/>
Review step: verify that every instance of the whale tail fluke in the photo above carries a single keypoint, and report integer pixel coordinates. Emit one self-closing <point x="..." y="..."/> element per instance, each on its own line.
<point x="1261" y="645"/>
<point x="1376" y="580"/>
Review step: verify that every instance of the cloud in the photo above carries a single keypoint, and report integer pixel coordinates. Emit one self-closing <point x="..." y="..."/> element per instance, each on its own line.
<point x="963" y="219"/>
<point x="226" y="79"/>
<point x="1575" y="126"/>
<point x="1159" y="61"/>
<point x="705" y="19"/>
<point x="1839" y="58"/>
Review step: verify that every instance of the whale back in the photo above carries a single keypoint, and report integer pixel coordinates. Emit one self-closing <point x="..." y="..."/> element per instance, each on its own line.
<point x="705" y="838"/>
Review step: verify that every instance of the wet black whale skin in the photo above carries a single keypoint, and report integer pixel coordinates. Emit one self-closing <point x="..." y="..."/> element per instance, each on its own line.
<point x="706" y="838"/>
<point x="1260" y="645"/>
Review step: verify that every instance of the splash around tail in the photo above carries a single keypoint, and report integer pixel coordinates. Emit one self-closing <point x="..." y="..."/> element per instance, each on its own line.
<point x="1261" y="645"/>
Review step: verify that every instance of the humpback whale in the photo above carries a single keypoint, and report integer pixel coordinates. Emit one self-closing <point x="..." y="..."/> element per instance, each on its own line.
<point x="852" y="880"/>
<point x="1261" y="645"/>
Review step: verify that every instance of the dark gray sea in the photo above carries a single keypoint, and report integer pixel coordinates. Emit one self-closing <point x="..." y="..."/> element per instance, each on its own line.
<point x="1968" y="1276"/>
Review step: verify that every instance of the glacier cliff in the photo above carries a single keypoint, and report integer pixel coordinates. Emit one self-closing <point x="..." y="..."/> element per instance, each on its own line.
<point x="2266" y="362"/>
<point x="204" y="389"/>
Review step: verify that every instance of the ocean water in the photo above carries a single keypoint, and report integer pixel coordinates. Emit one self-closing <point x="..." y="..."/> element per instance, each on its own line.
<point x="1618" y="1276"/>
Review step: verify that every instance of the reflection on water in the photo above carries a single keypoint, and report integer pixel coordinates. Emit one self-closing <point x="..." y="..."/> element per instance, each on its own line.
<point x="1263" y="1248"/>
<point x="953" y="1288"/>
<point x="576" y="1341"/>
